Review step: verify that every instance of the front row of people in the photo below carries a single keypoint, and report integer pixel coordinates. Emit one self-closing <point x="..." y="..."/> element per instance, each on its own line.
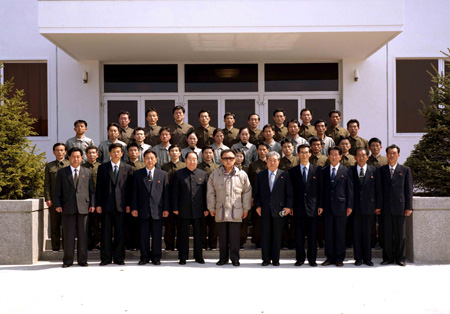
<point x="305" y="191"/>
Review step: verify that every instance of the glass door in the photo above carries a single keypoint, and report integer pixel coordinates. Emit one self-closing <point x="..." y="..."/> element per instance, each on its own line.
<point x="242" y="107"/>
<point x="320" y="105"/>
<point x="163" y="105"/>
<point x="114" y="105"/>
<point x="194" y="104"/>
<point x="290" y="104"/>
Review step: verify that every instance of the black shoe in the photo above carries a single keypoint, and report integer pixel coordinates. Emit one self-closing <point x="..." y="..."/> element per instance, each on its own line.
<point x="182" y="262"/>
<point x="358" y="263"/>
<point x="66" y="265"/>
<point x="142" y="262"/>
<point x="369" y="263"/>
<point x="339" y="264"/>
<point x="326" y="263"/>
<point x="298" y="263"/>
<point x="276" y="263"/>
<point x="103" y="263"/>
<point x="235" y="263"/>
<point x="264" y="263"/>
<point x="221" y="262"/>
<point x="384" y="262"/>
<point x="401" y="263"/>
<point x="313" y="264"/>
<point x="120" y="263"/>
<point x="200" y="261"/>
<point x="83" y="264"/>
<point x="156" y="262"/>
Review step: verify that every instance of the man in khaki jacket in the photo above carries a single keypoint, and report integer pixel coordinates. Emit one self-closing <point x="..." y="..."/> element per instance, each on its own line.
<point x="229" y="199"/>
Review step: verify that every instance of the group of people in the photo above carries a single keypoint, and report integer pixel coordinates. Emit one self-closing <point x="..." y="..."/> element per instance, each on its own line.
<point x="295" y="184"/>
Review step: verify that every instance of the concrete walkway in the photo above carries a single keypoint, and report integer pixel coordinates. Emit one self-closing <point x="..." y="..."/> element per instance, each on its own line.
<point x="248" y="289"/>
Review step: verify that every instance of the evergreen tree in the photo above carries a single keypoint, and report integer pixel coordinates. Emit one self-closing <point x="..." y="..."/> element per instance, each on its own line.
<point x="430" y="159"/>
<point x="21" y="168"/>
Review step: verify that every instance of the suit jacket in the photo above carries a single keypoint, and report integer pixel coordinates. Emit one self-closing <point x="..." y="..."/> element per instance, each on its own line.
<point x="272" y="203"/>
<point x="189" y="193"/>
<point x="336" y="198"/>
<point x="74" y="199"/>
<point x="367" y="197"/>
<point x="305" y="195"/>
<point x="398" y="191"/>
<point x="150" y="199"/>
<point x="111" y="195"/>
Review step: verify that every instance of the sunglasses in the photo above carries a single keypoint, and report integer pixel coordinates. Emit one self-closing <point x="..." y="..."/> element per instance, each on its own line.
<point x="228" y="158"/>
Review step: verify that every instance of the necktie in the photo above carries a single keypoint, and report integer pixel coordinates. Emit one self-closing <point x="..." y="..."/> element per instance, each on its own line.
<point x="272" y="179"/>
<point x="361" y="176"/>
<point x="333" y="174"/>
<point x="304" y="174"/>
<point x="76" y="177"/>
<point x="150" y="177"/>
<point x="116" y="172"/>
<point x="392" y="172"/>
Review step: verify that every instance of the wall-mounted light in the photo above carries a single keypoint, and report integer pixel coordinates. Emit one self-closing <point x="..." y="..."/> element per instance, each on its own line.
<point x="356" y="75"/>
<point x="85" y="77"/>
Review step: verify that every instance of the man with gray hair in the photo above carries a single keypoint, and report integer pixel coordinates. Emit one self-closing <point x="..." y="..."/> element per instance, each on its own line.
<point x="273" y="200"/>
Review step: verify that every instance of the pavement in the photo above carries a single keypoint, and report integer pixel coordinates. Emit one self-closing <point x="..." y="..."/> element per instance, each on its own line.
<point x="45" y="287"/>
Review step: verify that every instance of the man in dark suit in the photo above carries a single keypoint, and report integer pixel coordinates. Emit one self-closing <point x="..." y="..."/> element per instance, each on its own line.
<point x="273" y="200"/>
<point x="189" y="203"/>
<point x="367" y="200"/>
<point x="335" y="204"/>
<point x="74" y="198"/>
<point x="305" y="184"/>
<point x="113" y="201"/>
<point x="150" y="203"/>
<point x="397" y="190"/>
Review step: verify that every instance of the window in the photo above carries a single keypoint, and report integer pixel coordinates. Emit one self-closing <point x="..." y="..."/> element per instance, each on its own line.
<point x="141" y="78"/>
<point x="32" y="79"/>
<point x="413" y="84"/>
<point x="221" y="77"/>
<point x="288" y="77"/>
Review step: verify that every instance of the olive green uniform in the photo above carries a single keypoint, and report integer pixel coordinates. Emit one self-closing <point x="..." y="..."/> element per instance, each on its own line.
<point x="256" y="136"/>
<point x="280" y="133"/>
<point x="136" y="165"/>
<point x="179" y="132"/>
<point x="230" y="137"/>
<point x="287" y="163"/>
<point x="348" y="160"/>
<point x="306" y="131"/>
<point x="319" y="160"/>
<point x="356" y="143"/>
<point x="126" y="134"/>
<point x="152" y="135"/>
<point x="336" y="133"/>
<point x="205" y="136"/>
<point x="377" y="161"/>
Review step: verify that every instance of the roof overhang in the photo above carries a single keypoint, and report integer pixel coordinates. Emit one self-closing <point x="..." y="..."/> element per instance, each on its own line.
<point x="220" y="31"/>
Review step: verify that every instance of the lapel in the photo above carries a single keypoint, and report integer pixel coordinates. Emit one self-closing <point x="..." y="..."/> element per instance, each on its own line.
<point x="367" y="176"/>
<point x="110" y="171"/>
<point x="339" y="173"/>
<point x="120" y="174"/>
<point x="70" y="177"/>
<point x="146" y="182"/>
<point x="155" y="179"/>
<point x="310" y="174"/>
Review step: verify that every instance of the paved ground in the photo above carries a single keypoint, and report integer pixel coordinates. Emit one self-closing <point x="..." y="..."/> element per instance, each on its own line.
<point x="248" y="289"/>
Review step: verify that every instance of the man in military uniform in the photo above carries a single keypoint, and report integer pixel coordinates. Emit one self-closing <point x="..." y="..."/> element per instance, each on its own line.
<point x="94" y="218"/>
<point x="255" y="167"/>
<point x="255" y="133"/>
<point x="289" y="160"/>
<point x="327" y="142"/>
<point x="376" y="159"/>
<point x="268" y="134"/>
<point x="335" y="131"/>
<point x="170" y="222"/>
<point x="51" y="168"/>
<point x="230" y="133"/>
<point x="317" y="158"/>
<point x="126" y="133"/>
<point x="204" y="132"/>
<point x="306" y="129"/>
<point x="209" y="224"/>
<point x="179" y="129"/>
<point x="293" y="130"/>
<point x="139" y="138"/>
<point x="133" y="157"/>
<point x="355" y="141"/>
<point x="162" y="149"/>
<point x="152" y="133"/>
<point x="113" y="137"/>
<point x="347" y="159"/>
<point x="281" y="131"/>
<point x="80" y="140"/>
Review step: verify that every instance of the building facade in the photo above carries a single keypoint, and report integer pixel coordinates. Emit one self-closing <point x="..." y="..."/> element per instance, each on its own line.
<point x="90" y="59"/>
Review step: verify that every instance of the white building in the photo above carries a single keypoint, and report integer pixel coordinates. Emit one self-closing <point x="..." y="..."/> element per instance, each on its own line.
<point x="242" y="56"/>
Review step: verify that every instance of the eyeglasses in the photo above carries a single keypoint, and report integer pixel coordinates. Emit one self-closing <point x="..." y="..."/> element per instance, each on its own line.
<point x="228" y="158"/>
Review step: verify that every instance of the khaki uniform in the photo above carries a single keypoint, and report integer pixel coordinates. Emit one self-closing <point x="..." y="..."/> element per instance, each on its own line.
<point x="287" y="163"/>
<point x="377" y="161"/>
<point x="170" y="168"/>
<point x="356" y="143"/>
<point x="230" y="137"/>
<point x="306" y="131"/>
<point x="178" y="132"/>
<point x="208" y="167"/>
<point x="280" y="133"/>
<point x="126" y="134"/>
<point x="205" y="136"/>
<point x="336" y="132"/>
<point x="348" y="160"/>
<point x="254" y="168"/>
<point x="152" y="135"/>
<point x="136" y="165"/>
<point x="256" y="136"/>
<point x="94" y="168"/>
<point x="319" y="160"/>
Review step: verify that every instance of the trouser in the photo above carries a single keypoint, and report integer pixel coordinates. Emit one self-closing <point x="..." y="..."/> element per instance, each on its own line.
<point x="256" y="231"/>
<point x="271" y="231"/>
<point x="320" y="232"/>
<point x="229" y="233"/>
<point x="335" y="237"/>
<point x="183" y="238"/>
<point x="131" y="230"/>
<point x="244" y="231"/>
<point x="209" y="233"/>
<point x="362" y="231"/>
<point x="55" y="228"/>
<point x="150" y="227"/>
<point x="306" y="227"/>
<point x="75" y="225"/>
<point x="171" y="228"/>
<point x="112" y="224"/>
<point x="349" y="232"/>
<point x="94" y="231"/>
<point x="288" y="236"/>
<point x="394" y="238"/>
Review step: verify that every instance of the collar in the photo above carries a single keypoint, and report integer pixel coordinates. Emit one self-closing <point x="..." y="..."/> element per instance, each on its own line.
<point x="152" y="171"/>
<point x="307" y="167"/>
<point x="358" y="168"/>
<point x="72" y="169"/>
<point x="394" y="167"/>
<point x="113" y="164"/>
<point x="337" y="168"/>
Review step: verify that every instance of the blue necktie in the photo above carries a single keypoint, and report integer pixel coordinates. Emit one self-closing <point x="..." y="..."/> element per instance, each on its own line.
<point x="272" y="179"/>
<point x="333" y="174"/>
<point x="304" y="174"/>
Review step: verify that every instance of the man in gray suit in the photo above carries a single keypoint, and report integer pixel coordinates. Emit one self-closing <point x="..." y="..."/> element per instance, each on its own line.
<point x="74" y="198"/>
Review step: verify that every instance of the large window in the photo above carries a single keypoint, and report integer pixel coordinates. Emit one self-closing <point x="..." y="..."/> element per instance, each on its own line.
<point x="413" y="85"/>
<point x="141" y="78"/>
<point x="32" y="79"/>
